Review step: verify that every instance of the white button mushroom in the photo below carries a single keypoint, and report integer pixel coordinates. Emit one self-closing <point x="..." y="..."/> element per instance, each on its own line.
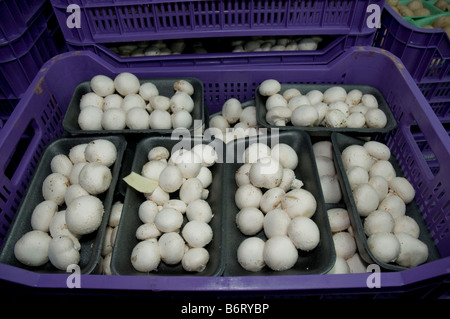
<point x="112" y="101"/>
<point x="62" y="164"/>
<point x="413" y="252"/>
<point x="171" y="248"/>
<point x="42" y="215"/>
<point x="199" y="209"/>
<point x="74" y="191"/>
<point x="378" y="150"/>
<point x="54" y="187"/>
<point x="160" y="120"/>
<point x="159" y="102"/>
<point x="147" y="231"/>
<point x="152" y="169"/>
<point x="181" y="101"/>
<point x="248" y="195"/>
<point x="170" y="179"/>
<point x="145" y="256"/>
<point x="401" y="187"/>
<point x="181" y="119"/>
<point x="114" y="119"/>
<point x="378" y="221"/>
<point x="76" y="153"/>
<point x="195" y="259"/>
<point x="304" y="116"/>
<point x="354" y="97"/>
<point x="169" y="220"/>
<point x="271" y="199"/>
<point x="197" y="233"/>
<point x="137" y="118"/>
<point x="276" y="223"/>
<point x="376" y="118"/>
<point x="289" y="181"/>
<point x="32" y="248"/>
<point x="255" y="151"/>
<point x="381" y="186"/>
<point x="250" y="254"/>
<point x="340" y="266"/>
<point x="344" y="244"/>
<point x="299" y="202"/>
<point x="90" y="118"/>
<point x="84" y="214"/>
<point x="366" y="199"/>
<point x="266" y="172"/>
<point x="116" y="214"/>
<point x="192" y="189"/>
<point x="356" y="120"/>
<point x="338" y="219"/>
<point x="406" y="224"/>
<point x="147" y="90"/>
<point x="331" y="189"/>
<point x="126" y="83"/>
<point x="101" y="151"/>
<point x="394" y="205"/>
<point x="280" y="253"/>
<point x="250" y="220"/>
<point x="95" y="178"/>
<point x="62" y="252"/>
<point x="91" y="99"/>
<point x="183" y="86"/>
<point x="384" y="246"/>
<point x="147" y="211"/>
<point x="278" y="116"/>
<point x="356" y="155"/>
<point x="102" y="85"/>
<point x="336" y="119"/>
<point x="304" y="233"/>
<point x="357" y="175"/>
<point x="334" y="94"/>
<point x="232" y="110"/>
<point x="58" y="227"/>
<point x="269" y="87"/>
<point x="285" y="155"/>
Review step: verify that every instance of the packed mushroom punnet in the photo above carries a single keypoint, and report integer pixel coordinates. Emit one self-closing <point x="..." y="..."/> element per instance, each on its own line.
<point x="335" y="107"/>
<point x="124" y="103"/>
<point x="271" y="200"/>
<point x="70" y="208"/>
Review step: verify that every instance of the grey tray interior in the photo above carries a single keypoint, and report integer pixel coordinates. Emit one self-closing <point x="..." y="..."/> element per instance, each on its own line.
<point x="165" y="87"/>
<point x="91" y="244"/>
<point x="340" y="142"/>
<point x="320" y="130"/>
<point x="318" y="261"/>
<point x="126" y="238"/>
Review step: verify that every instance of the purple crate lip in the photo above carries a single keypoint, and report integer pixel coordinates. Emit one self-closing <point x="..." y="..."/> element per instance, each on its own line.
<point x="141" y="20"/>
<point x="238" y="81"/>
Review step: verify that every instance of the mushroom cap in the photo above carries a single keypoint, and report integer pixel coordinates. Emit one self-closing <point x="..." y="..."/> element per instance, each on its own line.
<point x="304" y="115"/>
<point x="54" y="187"/>
<point x="170" y="179"/>
<point x="402" y="188"/>
<point x="269" y="87"/>
<point x="232" y="110"/>
<point x="280" y="253"/>
<point x="32" y="248"/>
<point x="199" y="209"/>
<point x="378" y="221"/>
<point x="62" y="164"/>
<point x="366" y="199"/>
<point x="101" y="151"/>
<point x="169" y="220"/>
<point x="250" y="220"/>
<point x="62" y="252"/>
<point x="250" y="254"/>
<point x="91" y="99"/>
<point x="304" y="233"/>
<point x="413" y="251"/>
<point x="285" y="155"/>
<point x="356" y="155"/>
<point x="195" y="259"/>
<point x="95" y="178"/>
<point x="126" y="83"/>
<point x="197" y="233"/>
<point x="90" y="118"/>
<point x="344" y="244"/>
<point x="276" y="223"/>
<point x="384" y="246"/>
<point x="338" y="219"/>
<point x="299" y="202"/>
<point x="114" y="119"/>
<point x="171" y="248"/>
<point x="42" y="215"/>
<point x="137" y="118"/>
<point x="145" y="256"/>
<point x="266" y="172"/>
<point x="84" y="214"/>
<point x="102" y="85"/>
<point x="248" y="195"/>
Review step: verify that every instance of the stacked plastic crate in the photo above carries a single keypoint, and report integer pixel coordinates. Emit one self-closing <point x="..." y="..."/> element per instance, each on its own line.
<point x="30" y="35"/>
<point x="39" y="119"/>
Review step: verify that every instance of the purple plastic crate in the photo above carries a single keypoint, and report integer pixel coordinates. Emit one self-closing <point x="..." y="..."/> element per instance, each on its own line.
<point x="140" y="20"/>
<point x="332" y="49"/>
<point x="16" y="17"/>
<point x="424" y="52"/>
<point x="22" y="58"/>
<point x="37" y="120"/>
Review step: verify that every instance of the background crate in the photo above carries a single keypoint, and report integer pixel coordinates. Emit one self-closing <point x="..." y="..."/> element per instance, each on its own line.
<point x="17" y="16"/>
<point x="22" y="57"/>
<point x="331" y="48"/>
<point x="114" y="21"/>
<point x="424" y="52"/>
<point x="38" y="119"/>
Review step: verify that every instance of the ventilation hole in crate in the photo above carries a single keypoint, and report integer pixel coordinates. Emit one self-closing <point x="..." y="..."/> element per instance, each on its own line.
<point x="427" y="153"/>
<point x="21" y="147"/>
<point x="206" y="14"/>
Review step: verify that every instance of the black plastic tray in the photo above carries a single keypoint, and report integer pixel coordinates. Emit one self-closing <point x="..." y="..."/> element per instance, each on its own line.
<point x="91" y="244"/>
<point x="126" y="233"/>
<point x="340" y="142"/>
<point x="165" y="87"/>
<point x="322" y="130"/>
<point x="318" y="261"/>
